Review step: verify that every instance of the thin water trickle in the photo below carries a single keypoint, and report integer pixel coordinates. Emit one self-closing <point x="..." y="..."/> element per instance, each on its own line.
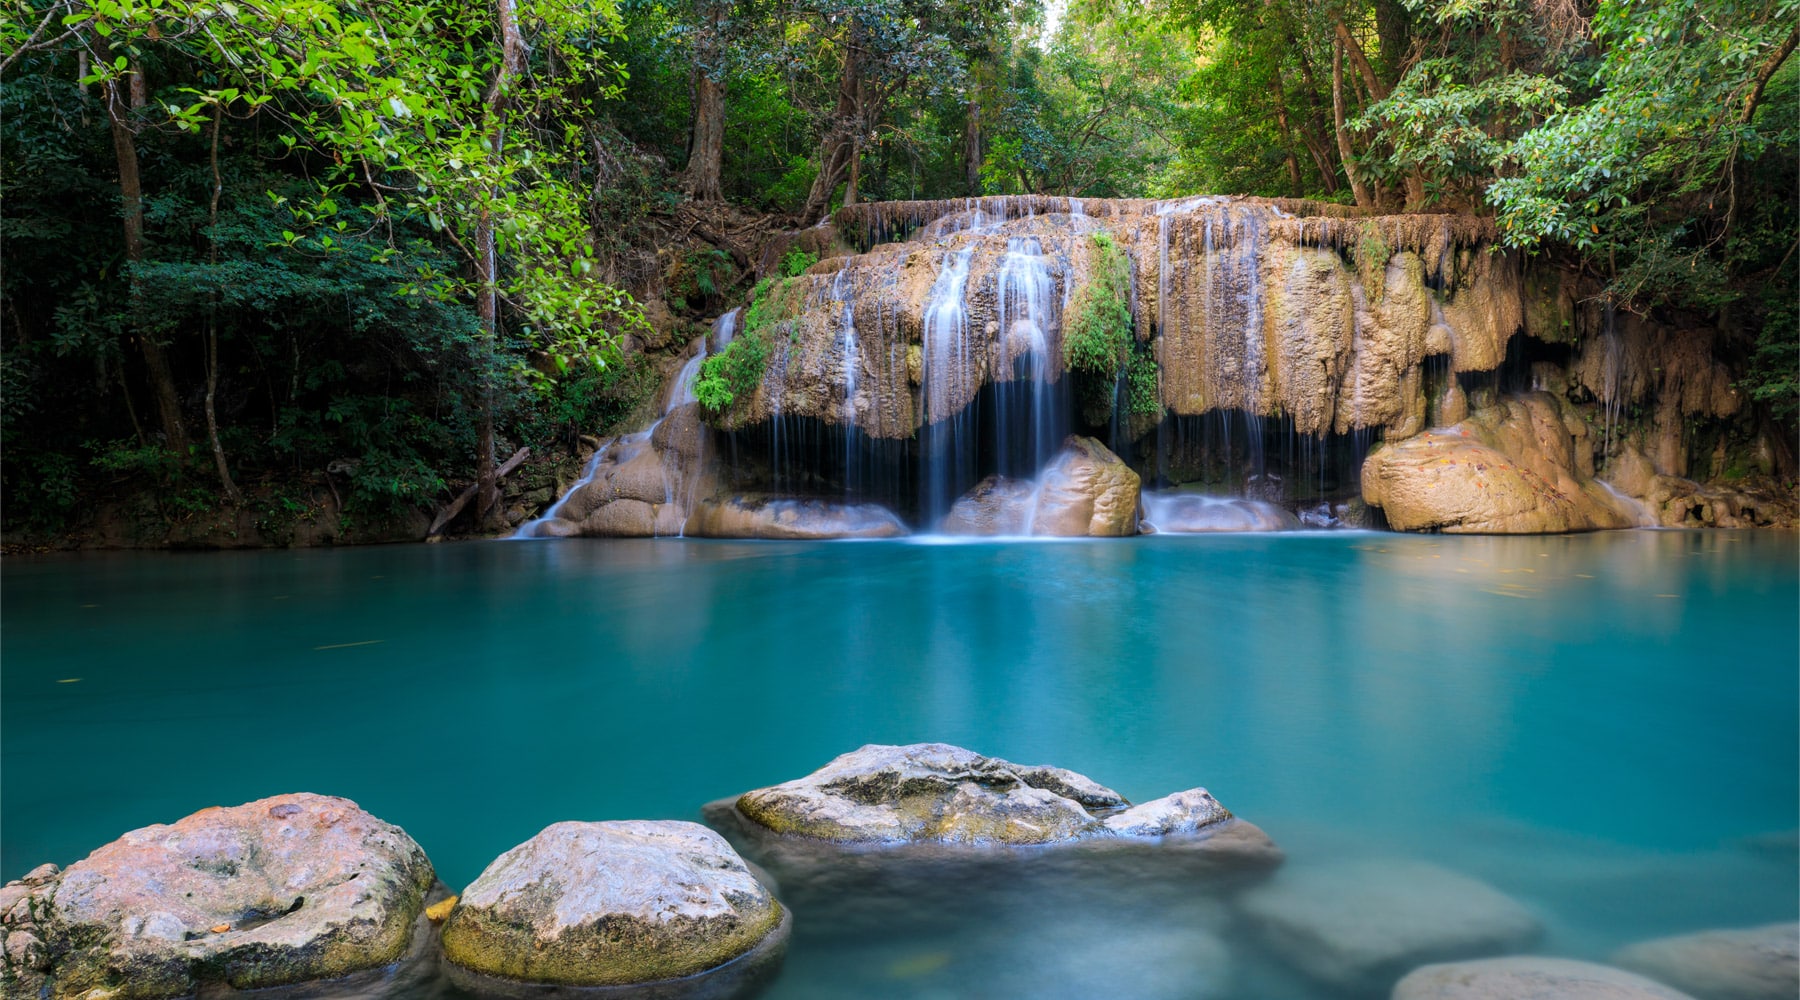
<point x="1025" y="359"/>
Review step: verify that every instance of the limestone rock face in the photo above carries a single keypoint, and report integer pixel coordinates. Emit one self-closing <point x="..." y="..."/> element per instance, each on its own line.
<point x="1358" y="926"/>
<point x="1756" y="963"/>
<point x="1509" y="469"/>
<point x="1249" y="304"/>
<point x="930" y="793"/>
<point x="1085" y="491"/>
<point x="278" y="891"/>
<point x="768" y="517"/>
<point x="1528" y="977"/>
<point x="603" y="904"/>
<point x="1185" y="513"/>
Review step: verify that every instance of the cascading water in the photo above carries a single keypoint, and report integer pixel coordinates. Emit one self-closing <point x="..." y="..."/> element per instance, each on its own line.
<point x="1029" y="422"/>
<point x="947" y="357"/>
<point x="843" y="293"/>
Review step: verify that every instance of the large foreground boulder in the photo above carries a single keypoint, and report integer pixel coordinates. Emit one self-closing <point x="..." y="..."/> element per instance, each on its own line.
<point x="934" y="793"/>
<point x="1085" y="491"/>
<point x="1358" y="926"/>
<point x="278" y="891"/>
<point x="754" y="516"/>
<point x="1529" y="977"/>
<point x="610" y="904"/>
<point x="1511" y="469"/>
<point x="1755" y="963"/>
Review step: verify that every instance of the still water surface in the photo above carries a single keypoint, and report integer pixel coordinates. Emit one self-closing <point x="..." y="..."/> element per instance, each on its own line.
<point x="1602" y="726"/>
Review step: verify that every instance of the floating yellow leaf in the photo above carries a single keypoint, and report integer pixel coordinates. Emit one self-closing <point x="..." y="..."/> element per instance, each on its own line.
<point x="70" y="680"/>
<point x="439" y="911"/>
<point x="220" y="928"/>
<point x="922" y="964"/>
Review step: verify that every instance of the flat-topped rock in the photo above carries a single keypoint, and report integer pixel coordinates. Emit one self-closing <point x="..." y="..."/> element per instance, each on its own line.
<point x="279" y="891"/>
<point x="612" y="904"/>
<point x="934" y="793"/>
<point x="1529" y="977"/>
<point x="1358" y="926"/>
<point x="1085" y="490"/>
<point x="1752" y="963"/>
<point x="1184" y="513"/>
<point x="756" y="516"/>
<point x="931" y="793"/>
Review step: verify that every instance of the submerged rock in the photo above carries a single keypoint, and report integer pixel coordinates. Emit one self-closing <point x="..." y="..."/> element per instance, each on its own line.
<point x="282" y="890"/>
<point x="1180" y="513"/>
<point x="1085" y="490"/>
<point x="609" y="904"/>
<point x="1526" y="977"/>
<point x="1357" y="926"/>
<point x="1512" y="468"/>
<point x="772" y="517"/>
<point x="1755" y="963"/>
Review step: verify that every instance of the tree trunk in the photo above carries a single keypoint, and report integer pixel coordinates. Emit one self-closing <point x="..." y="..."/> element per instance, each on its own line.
<point x="212" y="324"/>
<point x="1377" y="90"/>
<point x="1393" y="25"/>
<point x="1357" y="188"/>
<point x="487" y="267"/>
<point x="1287" y="138"/>
<point x="707" y="146"/>
<point x="838" y="145"/>
<point x="972" y="148"/>
<point x="131" y="192"/>
<point x="1315" y="137"/>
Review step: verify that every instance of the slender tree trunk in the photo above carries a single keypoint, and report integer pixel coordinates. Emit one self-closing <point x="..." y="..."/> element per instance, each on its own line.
<point x="131" y="192"/>
<point x="1357" y="187"/>
<point x="707" y="147"/>
<point x="855" y="175"/>
<point x="487" y="266"/>
<point x="1287" y="138"/>
<point x="1316" y="137"/>
<point x="212" y="323"/>
<point x="972" y="147"/>
<point x="1377" y="90"/>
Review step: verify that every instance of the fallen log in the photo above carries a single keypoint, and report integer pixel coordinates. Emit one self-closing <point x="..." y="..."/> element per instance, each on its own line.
<point x="449" y="513"/>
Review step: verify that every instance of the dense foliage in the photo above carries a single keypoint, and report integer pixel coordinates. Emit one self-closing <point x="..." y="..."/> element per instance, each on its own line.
<point x="261" y="252"/>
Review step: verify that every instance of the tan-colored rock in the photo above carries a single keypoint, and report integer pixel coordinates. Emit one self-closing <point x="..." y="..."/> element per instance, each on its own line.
<point x="1086" y="490"/>
<point x="1509" y="469"/>
<point x="306" y="887"/>
<point x="1183" y="513"/>
<point x="1529" y="977"/>
<point x="754" y="516"/>
<point x="1753" y="963"/>
<point x="609" y="904"/>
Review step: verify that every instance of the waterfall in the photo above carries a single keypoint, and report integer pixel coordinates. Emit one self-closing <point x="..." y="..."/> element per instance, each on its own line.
<point x="843" y="294"/>
<point x="947" y="361"/>
<point x="1027" y="311"/>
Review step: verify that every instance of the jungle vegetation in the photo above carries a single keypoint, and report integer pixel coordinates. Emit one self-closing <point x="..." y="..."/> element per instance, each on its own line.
<point x="254" y="249"/>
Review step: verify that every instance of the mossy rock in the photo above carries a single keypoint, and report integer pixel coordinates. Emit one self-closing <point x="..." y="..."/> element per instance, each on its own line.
<point x="611" y="904"/>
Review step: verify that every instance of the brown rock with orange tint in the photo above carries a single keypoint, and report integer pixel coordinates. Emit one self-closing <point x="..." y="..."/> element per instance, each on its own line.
<point x="309" y="887"/>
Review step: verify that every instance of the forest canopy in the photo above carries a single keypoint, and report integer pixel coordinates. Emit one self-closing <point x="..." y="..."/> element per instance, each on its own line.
<point x="258" y="249"/>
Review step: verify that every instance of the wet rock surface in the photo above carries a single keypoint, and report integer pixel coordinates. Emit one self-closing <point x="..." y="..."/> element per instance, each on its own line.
<point x="1753" y="963"/>
<point x="1182" y="513"/>
<point x="279" y="891"/>
<point x="1529" y="978"/>
<point x="610" y="904"/>
<point x="1358" y="926"/>
<point x="773" y="517"/>
<point x="1084" y="491"/>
